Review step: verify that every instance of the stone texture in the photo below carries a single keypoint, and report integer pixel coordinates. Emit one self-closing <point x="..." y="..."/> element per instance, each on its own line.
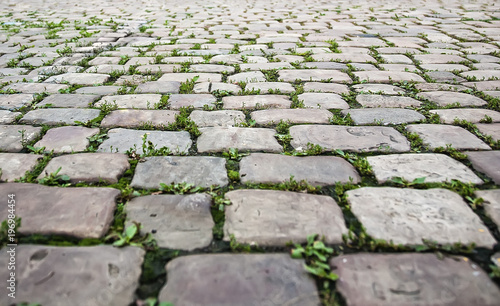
<point x="434" y="167"/>
<point x="175" y="221"/>
<point x="266" y="87"/>
<point x="89" y="167"/>
<point x="316" y="170"/>
<point x="67" y="139"/>
<point x="383" y="116"/>
<point x="32" y="88"/>
<point x="56" y="116"/>
<point x="121" y="140"/>
<point x="388" y="76"/>
<point x="412" y="279"/>
<point x="473" y="115"/>
<point x="133" y="118"/>
<point x="50" y="273"/>
<point x="220" y="139"/>
<point x="14" y="166"/>
<point x="79" y="78"/>
<point x="68" y="101"/>
<point x="257" y="101"/>
<point x="383" y="89"/>
<point x="386" y="101"/>
<point x="84" y="212"/>
<point x="203" y="171"/>
<point x="486" y="162"/>
<point x="444" y="98"/>
<point x="143" y="101"/>
<point x="407" y="216"/>
<point x="323" y="100"/>
<point x="217" y="118"/>
<point x="490" y="129"/>
<point x="437" y="135"/>
<point x="7" y="117"/>
<point x="14" y="137"/>
<point x="356" y="139"/>
<point x="491" y="203"/>
<point x="273" y="218"/>
<point x="198" y="101"/>
<point x="15" y="101"/>
<point x="184" y="77"/>
<point x="247" y="77"/>
<point x="310" y="75"/>
<point x="296" y="115"/>
<point x="326" y="87"/>
<point x="238" y="279"/>
<point x="159" y="87"/>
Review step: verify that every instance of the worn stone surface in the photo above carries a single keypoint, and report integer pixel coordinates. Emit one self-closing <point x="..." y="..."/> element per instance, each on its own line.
<point x="386" y="101"/>
<point x="7" y="117"/>
<point x="473" y="115"/>
<point x="490" y="129"/>
<point x="434" y="167"/>
<point x="296" y="115"/>
<point x="32" y="88"/>
<point x="220" y="139"/>
<point x="14" y="137"/>
<point x="407" y="216"/>
<point x="79" y="78"/>
<point x="176" y="101"/>
<point x="67" y="139"/>
<point x="175" y="221"/>
<point x="383" y="116"/>
<point x="388" y="76"/>
<point x="326" y="87"/>
<point x="412" y="279"/>
<point x="357" y="139"/>
<point x="143" y="101"/>
<point x="437" y="135"/>
<point x="83" y="212"/>
<point x="238" y="279"/>
<point x="14" y="166"/>
<point x="133" y="118"/>
<point x="256" y="101"/>
<point x="57" y="116"/>
<point x="159" y="87"/>
<point x="444" y="98"/>
<point x="378" y="89"/>
<point x="203" y="171"/>
<point x="267" y="87"/>
<point x="491" y="203"/>
<point x="323" y="100"/>
<point x="486" y="162"/>
<point x="15" y="101"/>
<point x="68" y="101"/>
<point x="217" y="118"/>
<point x="311" y="75"/>
<point x="50" y="273"/>
<point x="270" y="217"/>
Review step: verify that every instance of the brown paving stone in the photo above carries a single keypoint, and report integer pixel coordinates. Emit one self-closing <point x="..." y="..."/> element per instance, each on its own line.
<point x="217" y="118"/>
<point x="256" y="101"/>
<point x="67" y="139"/>
<point x="444" y="98"/>
<point x="220" y="139"/>
<point x="56" y="116"/>
<point x="14" y="137"/>
<point x="14" y="165"/>
<point x="134" y="118"/>
<point x="484" y="85"/>
<point x="439" y="135"/>
<point x="386" y="101"/>
<point x="486" y="162"/>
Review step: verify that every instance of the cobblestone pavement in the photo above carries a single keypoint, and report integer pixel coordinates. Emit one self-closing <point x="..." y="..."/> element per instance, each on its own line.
<point x="187" y="152"/>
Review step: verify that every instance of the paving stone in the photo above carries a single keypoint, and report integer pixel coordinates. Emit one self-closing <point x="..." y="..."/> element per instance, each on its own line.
<point x="407" y="216"/>
<point x="176" y="101"/>
<point x="55" y="116"/>
<point x="436" y="168"/>
<point x="444" y="76"/>
<point x="490" y="129"/>
<point x="155" y="68"/>
<point x="256" y="101"/>
<point x="484" y="85"/>
<point x="238" y="279"/>
<point x="386" y="101"/>
<point x="15" y="101"/>
<point x="485" y="162"/>
<point x="217" y="118"/>
<point x="439" y="58"/>
<point x="7" y="117"/>
<point x="67" y="139"/>
<point x="444" y="67"/>
<point x="266" y="65"/>
<point x="314" y="75"/>
<point x="220" y="139"/>
<point x="325" y="65"/>
<point x="14" y="137"/>
<point x="356" y="139"/>
<point x="274" y="218"/>
<point x="203" y="171"/>
<point x="159" y="87"/>
<point x="142" y="101"/>
<point x="412" y="279"/>
<point x="132" y="118"/>
<point x="212" y="68"/>
<point x="296" y="115"/>
<point x="473" y="115"/>
<point x="83" y="212"/>
<point x="438" y="135"/>
<point x="54" y="272"/>
<point x="266" y="87"/>
<point x="246" y="77"/>
<point x="384" y="116"/>
<point x="89" y="167"/>
<point x="326" y="87"/>
<point x="121" y="140"/>
<point x="79" y="78"/>
<point x="378" y="89"/>
<point x="387" y="76"/>
<point x="175" y="221"/>
<point x="444" y="98"/>
<point x="491" y="205"/>
<point x="184" y="77"/>
<point x="230" y="88"/>
<point x="316" y="170"/>
<point x="482" y="74"/>
<point x="68" y="101"/>
<point x="98" y="90"/>
<point x="14" y="165"/>
<point x="323" y="100"/>
<point x="440" y="87"/>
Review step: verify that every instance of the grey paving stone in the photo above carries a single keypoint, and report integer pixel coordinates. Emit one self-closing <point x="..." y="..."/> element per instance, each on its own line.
<point x="266" y="65"/>
<point x="14" y="165"/>
<point x="439" y="135"/>
<point x="175" y="221"/>
<point x="491" y="203"/>
<point x="387" y="76"/>
<point x="486" y="162"/>
<point x="444" y="76"/>
<point x="89" y="167"/>
<point x="378" y="89"/>
<point x="121" y="140"/>
<point x="438" y="58"/>
<point x="444" y="98"/>
<point x="142" y="101"/>
<point x="230" y="88"/>
<point x="8" y="117"/>
<point x="316" y="170"/>
<point x="176" y="101"/>
<point x="412" y="279"/>
<point x="326" y="87"/>
<point x="59" y="116"/>
<point x="217" y="118"/>
<point x="386" y="101"/>
<point x="310" y="75"/>
<point x="15" y="101"/>
<point x="239" y="279"/>
<point x="52" y="272"/>
<point x="160" y="87"/>
<point x="220" y="139"/>
<point x="273" y="218"/>
<point x="14" y="137"/>
<point x="356" y="139"/>
<point x="434" y="167"/>
<point x="203" y="171"/>
<point x="473" y="115"/>
<point x="33" y="88"/>
<point x="98" y="90"/>
<point x="247" y="77"/>
<point x="256" y="101"/>
<point x="323" y="100"/>
<point x="83" y="212"/>
<point x="187" y="76"/>
<point x="79" y="78"/>
<point x="407" y="216"/>
<point x="68" y="101"/>
<point x="484" y="85"/>
<point x="67" y="139"/>
<point x="490" y="129"/>
<point x="211" y="68"/>
<point x="296" y="115"/>
<point x="482" y="75"/>
<point x="325" y="65"/>
<point x="440" y="87"/>
<point x="134" y="118"/>
<point x="266" y="87"/>
<point x="384" y="116"/>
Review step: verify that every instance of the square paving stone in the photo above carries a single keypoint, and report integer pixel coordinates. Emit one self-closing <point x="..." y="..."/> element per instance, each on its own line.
<point x="388" y="76"/>
<point x="175" y="221"/>
<point x="349" y="138"/>
<point x="203" y="171"/>
<point x="67" y="139"/>
<point x="134" y="118"/>
<point x="256" y="102"/>
<point x="436" y="168"/>
<point x="238" y="279"/>
<point x="296" y="115"/>
<point x="7" y="117"/>
<point x="383" y="116"/>
<point x="89" y="167"/>
<point x="159" y="87"/>
<point x="310" y="75"/>
<point x="373" y="101"/>
<point x="316" y="170"/>
<point x="486" y="162"/>
<point x="323" y="100"/>
<point x="491" y="203"/>
<point x="408" y="216"/>
<point x="217" y="118"/>
<point x="412" y="279"/>
<point x="273" y="218"/>
<point x="176" y="101"/>
<point x="143" y="101"/>
<point x="79" y="78"/>
<point x="55" y="116"/>
<point x="473" y="115"/>
<point x="14" y="166"/>
<point x="68" y="101"/>
<point x="15" y="101"/>
<point x="90" y="276"/>
<point x="121" y="140"/>
<point x="220" y="139"/>
<point x="439" y="135"/>
<point x="14" y="137"/>
<point x="445" y="98"/>
<point x="85" y="212"/>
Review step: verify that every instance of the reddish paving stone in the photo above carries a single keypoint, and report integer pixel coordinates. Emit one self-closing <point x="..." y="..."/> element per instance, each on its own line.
<point x="14" y="137"/>
<point x="67" y="139"/>
<point x="132" y="118"/>
<point x="486" y="162"/>
<point x="14" y="165"/>
<point x="437" y="135"/>
<point x="220" y="139"/>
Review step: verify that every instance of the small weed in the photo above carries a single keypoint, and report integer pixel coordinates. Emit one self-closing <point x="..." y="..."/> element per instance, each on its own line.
<point x="55" y="179"/>
<point x="131" y="236"/>
<point x="188" y="86"/>
<point x="180" y="188"/>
